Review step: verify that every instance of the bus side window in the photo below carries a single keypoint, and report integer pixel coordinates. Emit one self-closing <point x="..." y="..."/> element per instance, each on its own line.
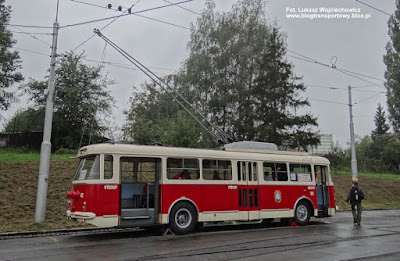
<point x="255" y="171"/>
<point x="238" y="170"/>
<point x="300" y="172"/>
<point x="250" y="172"/>
<point x="281" y="171"/>
<point x="108" y="167"/>
<point x="183" y="168"/>
<point x="217" y="169"/>
<point x="268" y="170"/>
<point x="244" y="171"/>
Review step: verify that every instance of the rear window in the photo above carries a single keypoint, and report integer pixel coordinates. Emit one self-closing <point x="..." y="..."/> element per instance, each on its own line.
<point x="88" y="168"/>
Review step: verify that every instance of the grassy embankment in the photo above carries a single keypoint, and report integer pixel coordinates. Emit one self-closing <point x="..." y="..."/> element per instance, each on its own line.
<point x="18" y="182"/>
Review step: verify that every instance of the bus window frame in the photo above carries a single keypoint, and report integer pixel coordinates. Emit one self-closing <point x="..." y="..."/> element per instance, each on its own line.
<point x="274" y="182"/>
<point x="199" y="164"/>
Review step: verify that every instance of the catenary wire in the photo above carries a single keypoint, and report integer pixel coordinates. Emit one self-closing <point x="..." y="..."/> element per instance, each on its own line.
<point x="15" y="32"/>
<point x="341" y="103"/>
<point x="123" y="14"/>
<point x="368" y="98"/>
<point x="333" y="88"/>
<point x="88" y="39"/>
<point x="118" y="16"/>
<point x="184" y="8"/>
<point x="164" y="22"/>
<point x="30" y="35"/>
<point x="30" y="51"/>
<point x="347" y="72"/>
<point x="126" y="65"/>
<point x="370" y="6"/>
<point x="30" y="26"/>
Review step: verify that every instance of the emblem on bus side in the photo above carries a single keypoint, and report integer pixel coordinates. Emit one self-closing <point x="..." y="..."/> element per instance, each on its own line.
<point x="278" y="196"/>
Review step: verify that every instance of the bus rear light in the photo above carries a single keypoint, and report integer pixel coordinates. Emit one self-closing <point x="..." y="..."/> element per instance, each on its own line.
<point x="84" y="206"/>
<point x="73" y="194"/>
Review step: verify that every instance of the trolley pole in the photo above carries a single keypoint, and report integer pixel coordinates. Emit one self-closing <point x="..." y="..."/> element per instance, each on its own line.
<point x="353" y="146"/>
<point x="45" y="149"/>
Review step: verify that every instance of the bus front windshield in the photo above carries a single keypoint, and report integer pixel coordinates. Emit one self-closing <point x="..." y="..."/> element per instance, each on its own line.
<point x="88" y="168"/>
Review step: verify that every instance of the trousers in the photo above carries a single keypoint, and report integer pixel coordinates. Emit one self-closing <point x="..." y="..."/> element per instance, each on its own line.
<point x="356" y="210"/>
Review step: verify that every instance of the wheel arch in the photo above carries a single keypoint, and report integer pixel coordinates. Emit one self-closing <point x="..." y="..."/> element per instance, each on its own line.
<point x="183" y="199"/>
<point x="309" y="203"/>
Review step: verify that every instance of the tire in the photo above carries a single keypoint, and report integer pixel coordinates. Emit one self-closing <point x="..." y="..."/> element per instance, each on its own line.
<point x="183" y="218"/>
<point x="302" y="214"/>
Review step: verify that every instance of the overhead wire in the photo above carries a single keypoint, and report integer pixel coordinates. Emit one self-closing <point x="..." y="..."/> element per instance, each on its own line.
<point x="164" y="22"/>
<point x="347" y="72"/>
<point x="34" y="37"/>
<point x="361" y="79"/>
<point x="89" y="4"/>
<point x="370" y="6"/>
<point x="30" y="26"/>
<point x="30" y="51"/>
<point x="15" y="32"/>
<point x="343" y="89"/>
<point x="124" y="14"/>
<point x="125" y="65"/>
<point x="373" y="96"/>
<point x="328" y="101"/>
<point x="184" y="8"/>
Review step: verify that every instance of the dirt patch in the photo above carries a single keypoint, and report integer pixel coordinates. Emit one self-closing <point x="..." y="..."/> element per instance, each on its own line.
<point x="379" y="192"/>
<point x="18" y="184"/>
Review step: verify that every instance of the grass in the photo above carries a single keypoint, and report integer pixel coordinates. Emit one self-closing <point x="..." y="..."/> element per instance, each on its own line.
<point x="371" y="175"/>
<point x="9" y="156"/>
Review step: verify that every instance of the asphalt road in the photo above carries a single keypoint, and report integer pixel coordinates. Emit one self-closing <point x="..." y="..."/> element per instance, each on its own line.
<point x="335" y="238"/>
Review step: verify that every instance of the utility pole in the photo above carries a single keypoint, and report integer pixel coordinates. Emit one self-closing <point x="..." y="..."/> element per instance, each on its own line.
<point x="45" y="149"/>
<point x="353" y="146"/>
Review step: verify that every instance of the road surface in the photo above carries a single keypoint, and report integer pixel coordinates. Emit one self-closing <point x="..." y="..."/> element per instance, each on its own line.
<point x="335" y="238"/>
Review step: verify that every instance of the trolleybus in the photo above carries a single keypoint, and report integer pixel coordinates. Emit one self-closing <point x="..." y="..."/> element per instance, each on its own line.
<point x="119" y="185"/>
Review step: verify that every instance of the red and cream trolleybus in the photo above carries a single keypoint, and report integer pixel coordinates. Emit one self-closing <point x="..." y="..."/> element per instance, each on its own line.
<point x="132" y="185"/>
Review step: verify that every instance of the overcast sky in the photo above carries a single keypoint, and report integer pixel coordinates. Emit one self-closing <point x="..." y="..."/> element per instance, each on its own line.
<point x="355" y="44"/>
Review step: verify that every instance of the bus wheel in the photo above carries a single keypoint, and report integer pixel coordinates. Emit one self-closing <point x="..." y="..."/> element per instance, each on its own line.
<point x="302" y="214"/>
<point x="183" y="218"/>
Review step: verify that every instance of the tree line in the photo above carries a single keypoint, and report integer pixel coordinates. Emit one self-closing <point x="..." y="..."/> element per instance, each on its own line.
<point x="377" y="152"/>
<point x="236" y="74"/>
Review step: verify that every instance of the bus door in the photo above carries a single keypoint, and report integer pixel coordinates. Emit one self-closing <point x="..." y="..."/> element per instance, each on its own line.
<point x="248" y="191"/>
<point x="139" y="190"/>
<point x="321" y="173"/>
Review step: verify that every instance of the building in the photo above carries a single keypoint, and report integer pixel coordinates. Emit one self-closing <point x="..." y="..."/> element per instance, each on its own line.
<point x="325" y="146"/>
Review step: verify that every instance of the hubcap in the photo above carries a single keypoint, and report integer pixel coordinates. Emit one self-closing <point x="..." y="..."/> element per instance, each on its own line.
<point x="183" y="218"/>
<point x="302" y="212"/>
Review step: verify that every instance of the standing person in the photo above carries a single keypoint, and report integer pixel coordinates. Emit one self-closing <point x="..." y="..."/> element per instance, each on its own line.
<point x="354" y="197"/>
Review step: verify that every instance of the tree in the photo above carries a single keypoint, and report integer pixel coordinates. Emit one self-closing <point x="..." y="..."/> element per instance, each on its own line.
<point x="9" y="60"/>
<point x="78" y="115"/>
<point x="154" y="117"/>
<point x="238" y="76"/>
<point x="392" y="74"/>
<point x="381" y="127"/>
<point x="26" y="121"/>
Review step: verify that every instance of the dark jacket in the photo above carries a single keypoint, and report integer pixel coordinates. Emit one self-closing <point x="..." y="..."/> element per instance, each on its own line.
<point x="355" y="194"/>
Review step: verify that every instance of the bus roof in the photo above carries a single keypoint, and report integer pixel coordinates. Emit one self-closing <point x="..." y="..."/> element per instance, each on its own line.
<point x="163" y="151"/>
